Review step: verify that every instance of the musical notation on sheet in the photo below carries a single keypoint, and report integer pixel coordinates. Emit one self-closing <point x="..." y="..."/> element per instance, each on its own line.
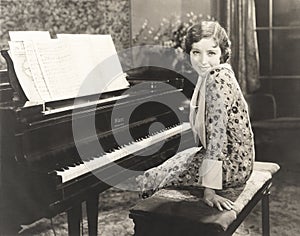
<point x="66" y="67"/>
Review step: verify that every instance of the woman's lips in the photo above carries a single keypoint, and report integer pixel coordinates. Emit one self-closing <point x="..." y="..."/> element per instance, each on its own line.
<point x="203" y="68"/>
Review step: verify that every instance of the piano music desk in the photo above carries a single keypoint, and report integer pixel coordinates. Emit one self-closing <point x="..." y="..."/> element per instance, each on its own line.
<point x="182" y="212"/>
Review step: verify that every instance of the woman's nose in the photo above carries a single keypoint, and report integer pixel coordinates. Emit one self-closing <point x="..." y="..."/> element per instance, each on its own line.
<point x="203" y="59"/>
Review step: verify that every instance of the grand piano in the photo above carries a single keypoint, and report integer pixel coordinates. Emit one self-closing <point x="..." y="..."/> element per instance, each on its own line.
<point x="43" y="171"/>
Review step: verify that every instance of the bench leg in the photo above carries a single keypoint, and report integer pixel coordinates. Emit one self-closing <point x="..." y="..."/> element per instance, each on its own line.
<point x="265" y="214"/>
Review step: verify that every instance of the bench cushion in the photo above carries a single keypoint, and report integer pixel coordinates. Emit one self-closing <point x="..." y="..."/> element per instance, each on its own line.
<point x="186" y="205"/>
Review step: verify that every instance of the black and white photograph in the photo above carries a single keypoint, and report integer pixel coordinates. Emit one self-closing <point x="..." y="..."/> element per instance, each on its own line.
<point x="149" y="118"/>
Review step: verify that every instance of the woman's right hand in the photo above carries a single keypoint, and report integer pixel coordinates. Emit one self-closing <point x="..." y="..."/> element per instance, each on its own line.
<point x="213" y="200"/>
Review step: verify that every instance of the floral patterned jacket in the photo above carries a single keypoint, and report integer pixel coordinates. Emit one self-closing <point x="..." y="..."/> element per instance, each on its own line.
<point x="229" y="136"/>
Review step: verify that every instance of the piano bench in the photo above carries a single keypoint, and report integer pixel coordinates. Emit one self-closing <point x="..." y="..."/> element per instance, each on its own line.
<point x="181" y="211"/>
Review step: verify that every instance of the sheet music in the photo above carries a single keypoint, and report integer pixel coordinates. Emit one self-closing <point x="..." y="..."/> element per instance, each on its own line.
<point x="103" y="68"/>
<point x="36" y="71"/>
<point x="28" y="35"/>
<point x="83" y="61"/>
<point x="57" y="68"/>
<point x="60" y="68"/>
<point x="22" y="69"/>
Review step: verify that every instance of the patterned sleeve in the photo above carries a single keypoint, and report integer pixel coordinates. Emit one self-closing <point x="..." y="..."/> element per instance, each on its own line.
<point x="216" y="139"/>
<point x="216" y="117"/>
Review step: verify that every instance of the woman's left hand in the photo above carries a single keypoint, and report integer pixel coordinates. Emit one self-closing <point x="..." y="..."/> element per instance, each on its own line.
<point x="212" y="199"/>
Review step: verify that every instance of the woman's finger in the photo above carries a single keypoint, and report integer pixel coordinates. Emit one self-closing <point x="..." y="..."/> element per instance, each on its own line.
<point x="208" y="202"/>
<point x="226" y="205"/>
<point x="218" y="205"/>
<point x="231" y="202"/>
<point x="227" y="200"/>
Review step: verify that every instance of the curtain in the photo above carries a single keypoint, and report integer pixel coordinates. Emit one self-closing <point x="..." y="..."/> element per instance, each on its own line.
<point x="241" y="23"/>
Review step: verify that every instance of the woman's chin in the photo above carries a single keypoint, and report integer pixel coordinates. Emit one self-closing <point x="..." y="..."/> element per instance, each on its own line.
<point x="201" y="72"/>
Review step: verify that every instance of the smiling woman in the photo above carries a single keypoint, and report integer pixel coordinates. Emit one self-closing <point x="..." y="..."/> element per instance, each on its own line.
<point x="220" y="122"/>
<point x="204" y="55"/>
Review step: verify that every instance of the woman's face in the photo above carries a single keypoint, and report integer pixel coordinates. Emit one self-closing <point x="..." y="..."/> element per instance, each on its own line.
<point x="204" y="55"/>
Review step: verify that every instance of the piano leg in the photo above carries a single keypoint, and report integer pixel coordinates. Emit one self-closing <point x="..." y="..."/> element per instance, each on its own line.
<point x="74" y="218"/>
<point x="92" y="214"/>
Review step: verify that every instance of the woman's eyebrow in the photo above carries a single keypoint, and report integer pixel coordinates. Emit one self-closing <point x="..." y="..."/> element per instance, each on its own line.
<point x="215" y="46"/>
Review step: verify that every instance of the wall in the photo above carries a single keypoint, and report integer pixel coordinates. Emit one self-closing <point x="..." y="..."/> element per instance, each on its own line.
<point x="155" y="10"/>
<point x="67" y="16"/>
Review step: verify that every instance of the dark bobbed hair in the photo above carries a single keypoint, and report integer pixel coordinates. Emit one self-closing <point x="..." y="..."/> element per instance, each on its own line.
<point x="209" y="29"/>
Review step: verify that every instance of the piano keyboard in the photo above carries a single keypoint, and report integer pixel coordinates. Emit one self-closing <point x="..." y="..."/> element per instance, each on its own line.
<point x="138" y="145"/>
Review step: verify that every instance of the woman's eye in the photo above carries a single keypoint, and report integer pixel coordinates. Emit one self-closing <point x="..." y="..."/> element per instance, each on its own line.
<point x="211" y="53"/>
<point x="195" y="52"/>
